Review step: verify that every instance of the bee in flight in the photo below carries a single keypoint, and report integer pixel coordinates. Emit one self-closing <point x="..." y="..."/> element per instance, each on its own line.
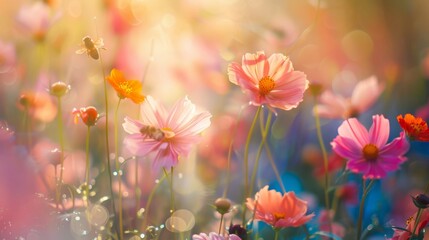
<point x="91" y="47"/>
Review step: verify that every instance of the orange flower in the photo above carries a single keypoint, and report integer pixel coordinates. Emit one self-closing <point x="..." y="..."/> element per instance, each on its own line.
<point x="415" y="127"/>
<point x="126" y="88"/>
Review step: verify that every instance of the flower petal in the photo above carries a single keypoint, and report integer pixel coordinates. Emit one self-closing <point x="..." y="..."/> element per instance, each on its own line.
<point x="379" y="131"/>
<point x="353" y="129"/>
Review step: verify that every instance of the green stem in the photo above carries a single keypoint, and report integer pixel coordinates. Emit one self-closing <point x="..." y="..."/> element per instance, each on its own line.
<point x="109" y="167"/>
<point x="324" y="154"/>
<point x="228" y="170"/>
<point x="149" y="201"/>
<point x="87" y="166"/>
<point x="61" y="140"/>
<point x="361" y="207"/>
<point x="416" y="222"/>
<point x="119" y="171"/>
<point x="276" y="236"/>
<point x="137" y="189"/>
<point x="246" y="162"/>
<point x="261" y="145"/>
<point x="273" y="165"/>
<point x="221" y="222"/>
<point x="171" y="196"/>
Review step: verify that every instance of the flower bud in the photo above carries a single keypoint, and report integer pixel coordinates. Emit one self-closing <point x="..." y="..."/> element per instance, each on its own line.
<point x="89" y="115"/>
<point x="222" y="205"/>
<point x="59" y="89"/>
<point x="421" y="201"/>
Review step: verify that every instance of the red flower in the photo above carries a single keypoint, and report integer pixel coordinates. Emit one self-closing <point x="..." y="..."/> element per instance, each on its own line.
<point x="89" y="115"/>
<point x="415" y="127"/>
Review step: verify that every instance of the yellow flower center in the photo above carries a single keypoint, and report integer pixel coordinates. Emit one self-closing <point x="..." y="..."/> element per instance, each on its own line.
<point x="168" y="133"/>
<point x="279" y="216"/>
<point x="266" y="84"/>
<point x="370" y="152"/>
<point x="409" y="220"/>
<point x="418" y="127"/>
<point x="126" y="87"/>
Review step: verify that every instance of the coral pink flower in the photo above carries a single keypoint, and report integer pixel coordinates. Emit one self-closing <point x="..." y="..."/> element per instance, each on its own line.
<point x="277" y="210"/>
<point x="411" y="222"/>
<point x="367" y="151"/>
<point x="214" y="236"/>
<point x="271" y="81"/>
<point x="168" y="135"/>
<point x="364" y="95"/>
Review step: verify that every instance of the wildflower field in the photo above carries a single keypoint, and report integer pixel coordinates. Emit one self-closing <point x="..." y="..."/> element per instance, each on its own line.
<point x="214" y="119"/>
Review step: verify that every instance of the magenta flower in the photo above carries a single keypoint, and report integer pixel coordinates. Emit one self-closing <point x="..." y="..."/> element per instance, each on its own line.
<point x="167" y="135"/>
<point x="365" y="93"/>
<point x="271" y="81"/>
<point x="368" y="152"/>
<point x="214" y="236"/>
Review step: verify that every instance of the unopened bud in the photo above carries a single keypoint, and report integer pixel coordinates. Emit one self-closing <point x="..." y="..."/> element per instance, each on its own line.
<point x="222" y="205"/>
<point x="59" y="89"/>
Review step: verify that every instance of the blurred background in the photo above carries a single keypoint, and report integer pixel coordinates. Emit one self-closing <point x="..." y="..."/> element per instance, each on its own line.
<point x="183" y="48"/>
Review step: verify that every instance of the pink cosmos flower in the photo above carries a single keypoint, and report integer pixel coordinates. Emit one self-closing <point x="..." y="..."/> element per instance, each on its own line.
<point x="277" y="210"/>
<point x="363" y="97"/>
<point x="214" y="236"/>
<point x="271" y="81"/>
<point x="367" y="151"/>
<point x="167" y="135"/>
<point x="36" y="19"/>
<point x="411" y="222"/>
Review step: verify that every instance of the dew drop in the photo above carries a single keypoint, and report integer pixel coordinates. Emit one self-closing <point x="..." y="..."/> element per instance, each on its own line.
<point x="180" y="175"/>
<point x="157" y="181"/>
<point x="98" y="215"/>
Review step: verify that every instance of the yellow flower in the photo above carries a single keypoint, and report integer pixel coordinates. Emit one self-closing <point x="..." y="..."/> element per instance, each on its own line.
<point x="126" y="88"/>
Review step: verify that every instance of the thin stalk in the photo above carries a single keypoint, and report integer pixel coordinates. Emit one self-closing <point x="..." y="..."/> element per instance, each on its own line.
<point x="361" y="207"/>
<point x="416" y="222"/>
<point x="246" y="162"/>
<point x="61" y="140"/>
<point x="87" y="159"/>
<point x="171" y="195"/>
<point x="119" y="171"/>
<point x="276" y="236"/>
<point x="273" y="165"/>
<point x="221" y="222"/>
<point x="171" y="189"/>
<point x="228" y="170"/>
<point x="149" y="201"/>
<point x="137" y="189"/>
<point x="106" y="105"/>
<point x="324" y="154"/>
<point x="261" y="145"/>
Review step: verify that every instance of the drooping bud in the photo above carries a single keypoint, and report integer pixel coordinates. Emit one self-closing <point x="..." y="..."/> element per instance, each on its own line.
<point x="421" y="201"/>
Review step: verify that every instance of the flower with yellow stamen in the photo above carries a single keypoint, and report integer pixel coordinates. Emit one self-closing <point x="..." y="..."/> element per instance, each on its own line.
<point x="126" y="88"/>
